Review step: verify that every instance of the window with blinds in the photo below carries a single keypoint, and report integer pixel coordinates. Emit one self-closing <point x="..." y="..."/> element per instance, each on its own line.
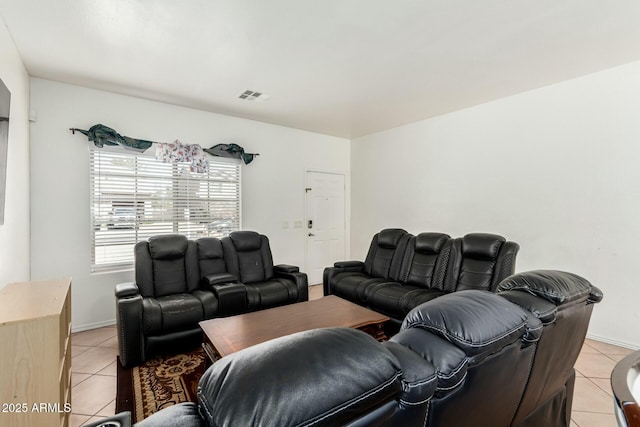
<point x="135" y="196"/>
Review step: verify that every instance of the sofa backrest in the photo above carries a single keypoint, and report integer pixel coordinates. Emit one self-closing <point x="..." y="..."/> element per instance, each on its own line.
<point x="165" y="265"/>
<point x="210" y="256"/>
<point x="248" y="256"/>
<point x="425" y="260"/>
<point x="479" y="261"/>
<point x="386" y="252"/>
<point x="302" y="382"/>
<point x="481" y="348"/>
<point x="563" y="302"/>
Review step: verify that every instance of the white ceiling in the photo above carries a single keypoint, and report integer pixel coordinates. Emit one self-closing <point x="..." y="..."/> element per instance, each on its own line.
<point x="338" y="67"/>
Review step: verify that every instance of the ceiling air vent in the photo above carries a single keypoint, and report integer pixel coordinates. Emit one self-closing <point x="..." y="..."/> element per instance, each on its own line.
<point x="252" y="95"/>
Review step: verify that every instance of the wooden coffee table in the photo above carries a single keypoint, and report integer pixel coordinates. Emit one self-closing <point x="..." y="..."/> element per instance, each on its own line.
<point x="227" y="335"/>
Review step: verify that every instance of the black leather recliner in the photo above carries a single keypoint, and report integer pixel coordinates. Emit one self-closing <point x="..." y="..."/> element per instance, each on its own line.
<point x="164" y="305"/>
<point x="563" y="302"/>
<point x="248" y="257"/>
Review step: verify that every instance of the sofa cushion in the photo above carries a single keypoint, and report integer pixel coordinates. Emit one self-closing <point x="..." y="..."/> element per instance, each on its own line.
<point x="168" y="246"/>
<point x="390" y="237"/>
<point x="353" y="286"/>
<point x="210" y="256"/>
<point x="246" y="240"/>
<point x="271" y="293"/>
<point x="171" y="313"/>
<point x="482" y="245"/>
<point x="476" y="274"/>
<point x="416" y="297"/>
<point x="169" y="276"/>
<point x="430" y="243"/>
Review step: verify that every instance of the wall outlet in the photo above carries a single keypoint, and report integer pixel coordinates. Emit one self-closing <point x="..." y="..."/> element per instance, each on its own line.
<point x="285" y="224"/>
<point x="297" y="224"/>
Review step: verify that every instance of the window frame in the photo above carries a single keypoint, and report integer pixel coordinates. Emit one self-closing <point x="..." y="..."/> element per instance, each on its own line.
<point x="176" y="210"/>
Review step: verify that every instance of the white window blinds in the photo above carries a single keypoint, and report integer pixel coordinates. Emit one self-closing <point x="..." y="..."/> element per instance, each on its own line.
<point x="134" y="197"/>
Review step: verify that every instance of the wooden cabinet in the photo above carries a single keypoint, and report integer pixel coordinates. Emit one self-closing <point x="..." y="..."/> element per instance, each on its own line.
<point x="35" y="354"/>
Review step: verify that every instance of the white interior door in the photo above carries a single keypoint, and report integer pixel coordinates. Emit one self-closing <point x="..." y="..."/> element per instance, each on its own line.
<point x="325" y="222"/>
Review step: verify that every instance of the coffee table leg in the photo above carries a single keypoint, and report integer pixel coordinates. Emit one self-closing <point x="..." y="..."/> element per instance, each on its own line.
<point x="212" y="354"/>
<point x="376" y="331"/>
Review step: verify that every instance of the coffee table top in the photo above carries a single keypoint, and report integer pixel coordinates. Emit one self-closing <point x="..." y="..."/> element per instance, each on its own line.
<point x="231" y="334"/>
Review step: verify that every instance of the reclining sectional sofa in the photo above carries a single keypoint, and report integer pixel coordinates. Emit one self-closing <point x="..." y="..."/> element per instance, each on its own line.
<point x="402" y="271"/>
<point x="469" y="358"/>
<point x="180" y="282"/>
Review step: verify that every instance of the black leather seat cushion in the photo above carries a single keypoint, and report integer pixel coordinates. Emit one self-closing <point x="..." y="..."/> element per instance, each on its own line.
<point x="387" y="297"/>
<point x="414" y="298"/>
<point x="353" y="286"/>
<point x="271" y="293"/>
<point x="171" y="313"/>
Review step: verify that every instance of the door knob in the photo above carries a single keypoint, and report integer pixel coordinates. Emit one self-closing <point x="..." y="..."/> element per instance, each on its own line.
<point x="311" y="234"/>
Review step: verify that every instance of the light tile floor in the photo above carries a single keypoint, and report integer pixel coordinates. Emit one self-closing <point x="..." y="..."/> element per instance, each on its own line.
<point x="93" y="367"/>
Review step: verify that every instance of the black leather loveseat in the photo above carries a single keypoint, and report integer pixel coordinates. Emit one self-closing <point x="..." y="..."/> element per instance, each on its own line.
<point x="401" y="271"/>
<point x="180" y="282"/>
<point x="470" y="358"/>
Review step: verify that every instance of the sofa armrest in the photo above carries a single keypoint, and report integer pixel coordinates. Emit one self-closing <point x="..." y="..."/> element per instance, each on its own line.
<point x="348" y="264"/>
<point x="286" y="268"/>
<point x="217" y="279"/>
<point x="300" y="279"/>
<point x="124" y="290"/>
<point x="129" y="324"/>
<point x="232" y="298"/>
<point x="339" y="267"/>
<point x="419" y="382"/>
<point x="595" y="295"/>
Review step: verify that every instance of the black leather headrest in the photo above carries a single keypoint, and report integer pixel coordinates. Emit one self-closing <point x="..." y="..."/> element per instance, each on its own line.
<point x="317" y="377"/>
<point x="390" y="237"/>
<point x="430" y="243"/>
<point x="478" y="322"/>
<point x="209" y="248"/>
<point x="246" y="240"/>
<point x="482" y="245"/>
<point x="559" y="287"/>
<point x="168" y="246"/>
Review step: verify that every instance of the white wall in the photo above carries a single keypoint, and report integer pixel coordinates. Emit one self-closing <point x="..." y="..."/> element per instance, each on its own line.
<point x="14" y="234"/>
<point x="555" y="169"/>
<point x="272" y="186"/>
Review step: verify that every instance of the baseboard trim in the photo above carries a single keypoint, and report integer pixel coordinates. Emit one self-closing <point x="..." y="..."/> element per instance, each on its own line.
<point x="90" y="326"/>
<point x="614" y="342"/>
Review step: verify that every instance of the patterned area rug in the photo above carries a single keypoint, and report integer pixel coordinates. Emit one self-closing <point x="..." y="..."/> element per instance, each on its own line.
<point x="159" y="383"/>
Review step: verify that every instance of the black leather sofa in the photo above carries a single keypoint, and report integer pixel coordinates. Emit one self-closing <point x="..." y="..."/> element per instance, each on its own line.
<point x="401" y="271"/>
<point x="180" y="282"/>
<point x="469" y="358"/>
